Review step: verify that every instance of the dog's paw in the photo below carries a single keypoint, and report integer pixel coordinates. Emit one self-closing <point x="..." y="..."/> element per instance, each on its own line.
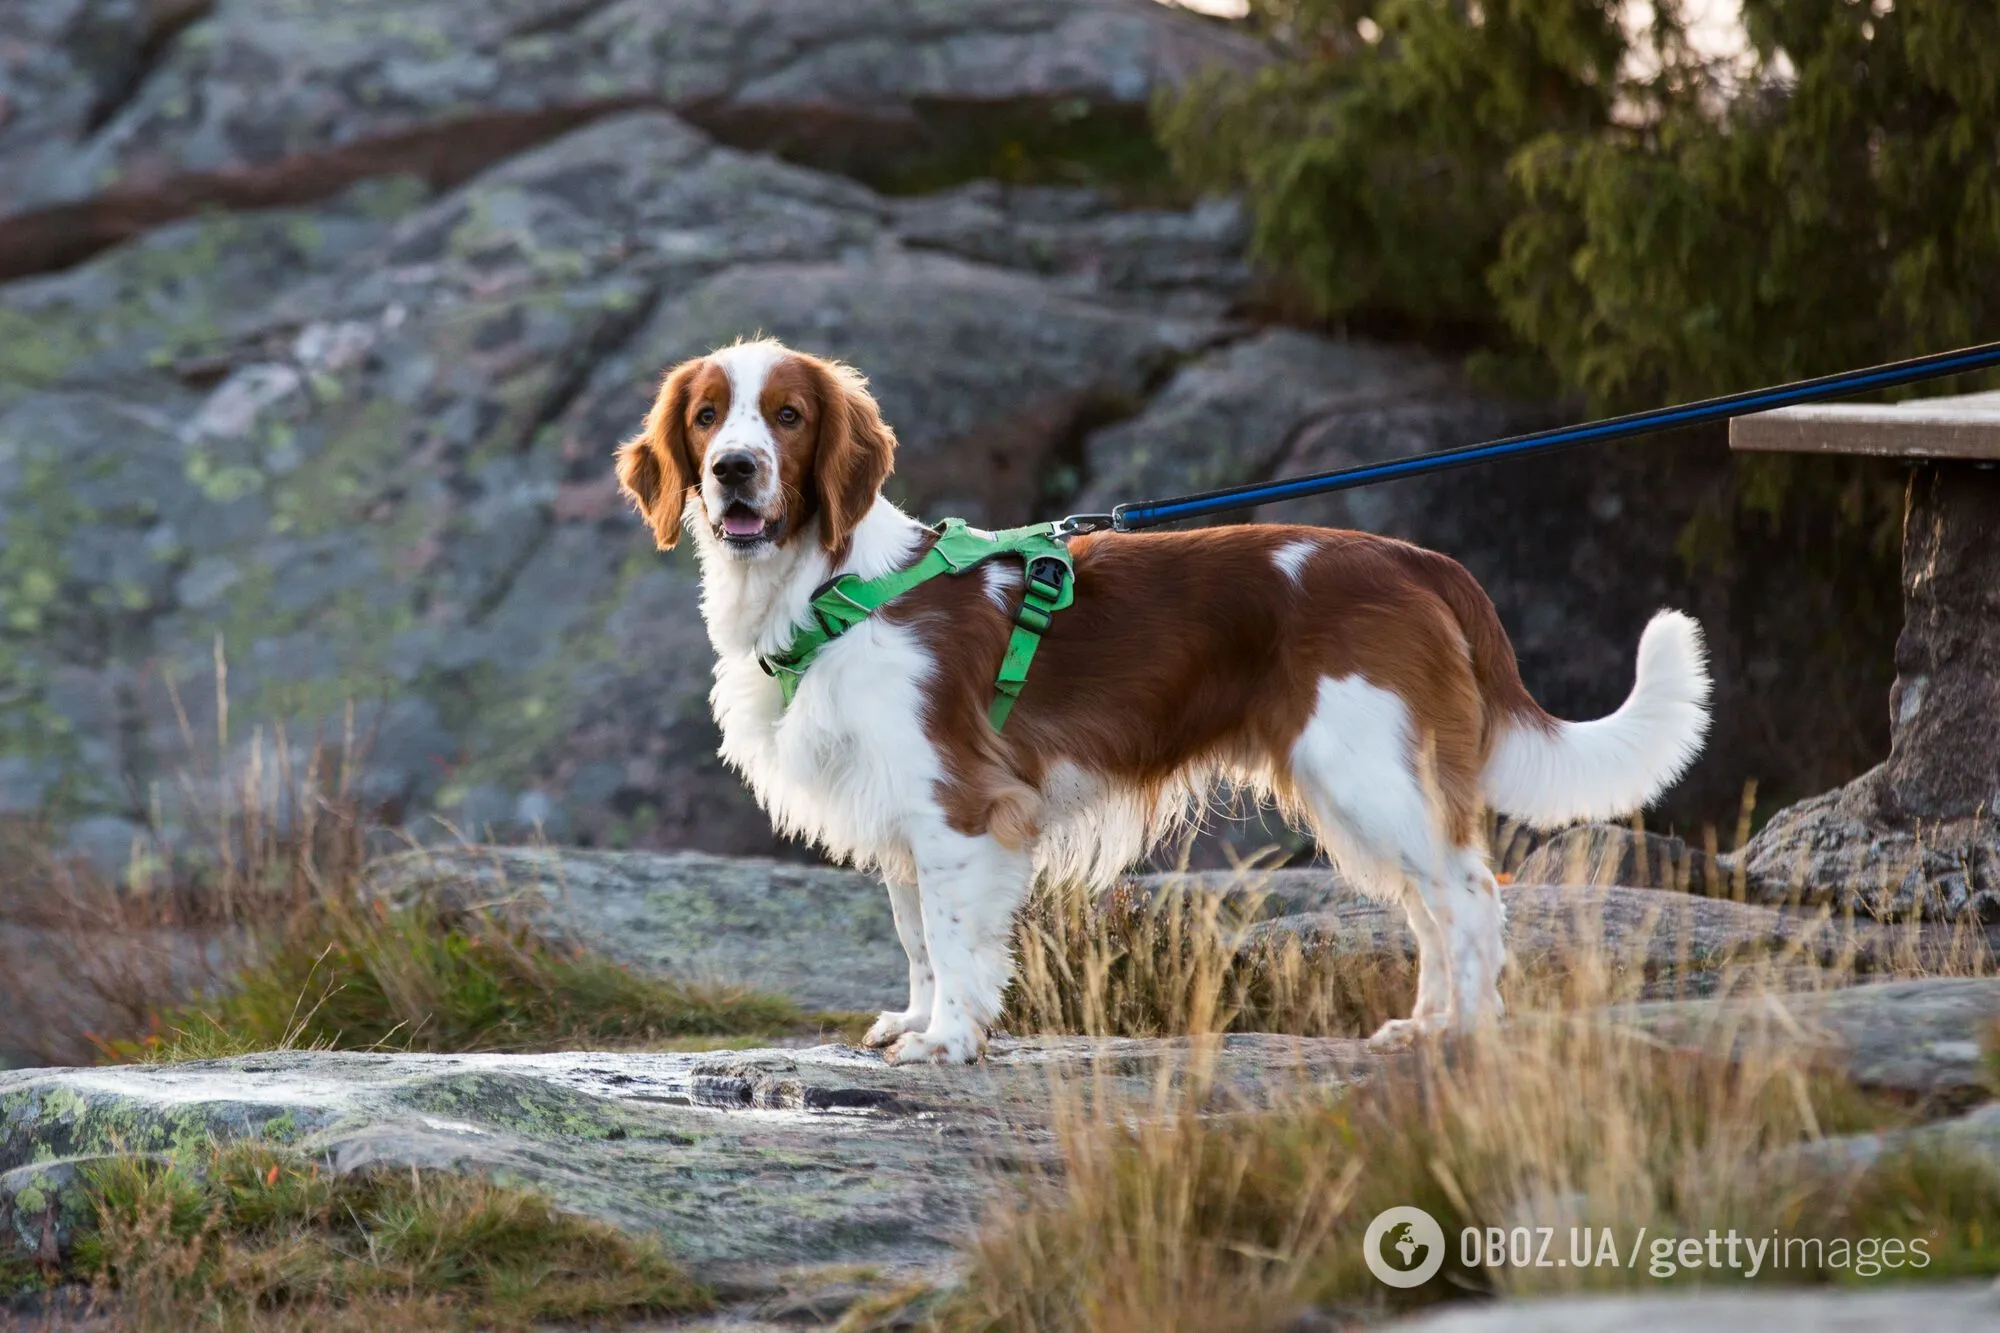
<point x="893" y="1024"/>
<point x="952" y="1048"/>
<point x="1399" y="1033"/>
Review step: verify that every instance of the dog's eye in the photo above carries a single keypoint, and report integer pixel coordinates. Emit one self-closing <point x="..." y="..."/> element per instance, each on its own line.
<point x="705" y="417"/>
<point x="788" y="416"/>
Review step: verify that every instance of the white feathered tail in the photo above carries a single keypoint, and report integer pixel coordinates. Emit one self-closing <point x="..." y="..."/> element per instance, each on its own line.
<point x="1547" y="772"/>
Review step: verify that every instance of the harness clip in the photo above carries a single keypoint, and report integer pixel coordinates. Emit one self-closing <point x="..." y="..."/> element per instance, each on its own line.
<point x="1076" y="525"/>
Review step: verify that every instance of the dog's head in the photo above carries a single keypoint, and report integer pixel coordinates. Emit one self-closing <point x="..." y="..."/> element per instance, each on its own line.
<point x="761" y="447"/>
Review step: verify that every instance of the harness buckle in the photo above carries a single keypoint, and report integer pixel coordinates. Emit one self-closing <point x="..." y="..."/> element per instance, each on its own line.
<point x="1049" y="573"/>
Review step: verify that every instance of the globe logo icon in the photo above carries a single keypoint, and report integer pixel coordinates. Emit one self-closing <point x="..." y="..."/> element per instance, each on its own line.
<point x="1403" y="1247"/>
<point x="1408" y="1245"/>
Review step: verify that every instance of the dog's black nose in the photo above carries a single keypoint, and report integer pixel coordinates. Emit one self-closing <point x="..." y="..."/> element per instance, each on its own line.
<point x="734" y="469"/>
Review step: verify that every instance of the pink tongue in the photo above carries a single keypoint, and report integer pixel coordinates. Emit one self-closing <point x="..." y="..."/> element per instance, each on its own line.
<point x="742" y="525"/>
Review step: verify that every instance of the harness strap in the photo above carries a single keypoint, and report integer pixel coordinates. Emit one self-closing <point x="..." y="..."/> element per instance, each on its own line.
<point x="845" y="602"/>
<point x="1048" y="591"/>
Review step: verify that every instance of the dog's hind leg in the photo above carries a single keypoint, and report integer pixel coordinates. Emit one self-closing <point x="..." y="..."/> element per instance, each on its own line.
<point x="1481" y="950"/>
<point x="970" y="886"/>
<point x="1463" y="902"/>
<point x="907" y="905"/>
<point x="1386" y="882"/>
<point x="1353" y="764"/>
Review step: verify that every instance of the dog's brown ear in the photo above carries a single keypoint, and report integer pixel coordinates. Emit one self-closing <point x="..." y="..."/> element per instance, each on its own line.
<point x="655" y="467"/>
<point x="855" y="454"/>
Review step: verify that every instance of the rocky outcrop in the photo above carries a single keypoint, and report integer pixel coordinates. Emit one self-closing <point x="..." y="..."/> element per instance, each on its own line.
<point x="823" y="936"/>
<point x="384" y="482"/>
<point x="1613" y="854"/>
<point x="755" y="1167"/>
<point x="1925" y="1040"/>
<point x="125" y="114"/>
<point x="1850" y="849"/>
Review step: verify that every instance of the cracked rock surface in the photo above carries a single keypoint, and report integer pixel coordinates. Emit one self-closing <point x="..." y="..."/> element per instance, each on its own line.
<point x="369" y="451"/>
<point x="742" y="1162"/>
<point x="136" y="112"/>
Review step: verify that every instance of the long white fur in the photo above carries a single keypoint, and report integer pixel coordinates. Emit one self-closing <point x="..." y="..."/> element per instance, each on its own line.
<point x="1616" y="764"/>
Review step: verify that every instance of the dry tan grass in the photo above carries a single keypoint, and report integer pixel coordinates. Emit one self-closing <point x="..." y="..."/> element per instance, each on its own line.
<point x="1140" y="963"/>
<point x="1179" y="1213"/>
<point x="91" y="958"/>
<point x="1171" y="1216"/>
<point x="261" y="936"/>
<point x="1183" y="961"/>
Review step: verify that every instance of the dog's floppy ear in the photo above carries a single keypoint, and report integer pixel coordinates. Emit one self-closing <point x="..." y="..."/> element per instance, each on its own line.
<point x="655" y="468"/>
<point x="855" y="454"/>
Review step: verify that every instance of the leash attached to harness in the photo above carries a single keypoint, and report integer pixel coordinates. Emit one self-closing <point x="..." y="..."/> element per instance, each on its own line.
<point x="1152" y="513"/>
<point x="843" y="603"/>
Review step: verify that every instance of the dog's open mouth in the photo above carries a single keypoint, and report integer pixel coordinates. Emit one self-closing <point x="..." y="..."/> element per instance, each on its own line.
<point x="743" y="526"/>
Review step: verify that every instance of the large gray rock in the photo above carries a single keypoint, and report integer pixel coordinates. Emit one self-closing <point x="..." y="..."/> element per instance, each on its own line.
<point x="1231" y="416"/>
<point x="364" y="447"/>
<point x="823" y="936"/>
<point x="766" y="1170"/>
<point x="1087" y="238"/>
<point x="1616" y="854"/>
<point x="751" y="1166"/>
<point x="1923" y="1039"/>
<point x="126" y="114"/>
<point x="1970" y="1138"/>
<point x="1852" y="850"/>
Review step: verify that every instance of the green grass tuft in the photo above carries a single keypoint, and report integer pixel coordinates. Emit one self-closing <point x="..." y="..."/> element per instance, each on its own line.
<point x="247" y="1235"/>
<point x="366" y="976"/>
<point x="1941" y="1192"/>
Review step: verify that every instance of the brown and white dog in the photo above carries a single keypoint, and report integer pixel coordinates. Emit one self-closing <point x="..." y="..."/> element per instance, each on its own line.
<point x="1365" y="684"/>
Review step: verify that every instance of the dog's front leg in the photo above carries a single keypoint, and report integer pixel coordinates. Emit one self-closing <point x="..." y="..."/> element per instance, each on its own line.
<point x="907" y="905"/>
<point x="969" y="887"/>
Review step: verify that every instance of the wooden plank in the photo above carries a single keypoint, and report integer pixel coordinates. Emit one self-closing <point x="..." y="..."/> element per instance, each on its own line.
<point x="1963" y="427"/>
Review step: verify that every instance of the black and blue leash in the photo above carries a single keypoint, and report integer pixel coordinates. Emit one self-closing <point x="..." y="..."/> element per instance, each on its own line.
<point x="1152" y="513"/>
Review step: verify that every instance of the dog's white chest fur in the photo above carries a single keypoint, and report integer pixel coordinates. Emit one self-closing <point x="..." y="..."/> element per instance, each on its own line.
<point x="846" y="762"/>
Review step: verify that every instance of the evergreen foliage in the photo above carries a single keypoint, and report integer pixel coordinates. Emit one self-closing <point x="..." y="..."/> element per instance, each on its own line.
<point x="1574" y="181"/>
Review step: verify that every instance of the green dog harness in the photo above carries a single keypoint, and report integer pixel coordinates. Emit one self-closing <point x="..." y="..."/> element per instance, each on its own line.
<point x="845" y="602"/>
